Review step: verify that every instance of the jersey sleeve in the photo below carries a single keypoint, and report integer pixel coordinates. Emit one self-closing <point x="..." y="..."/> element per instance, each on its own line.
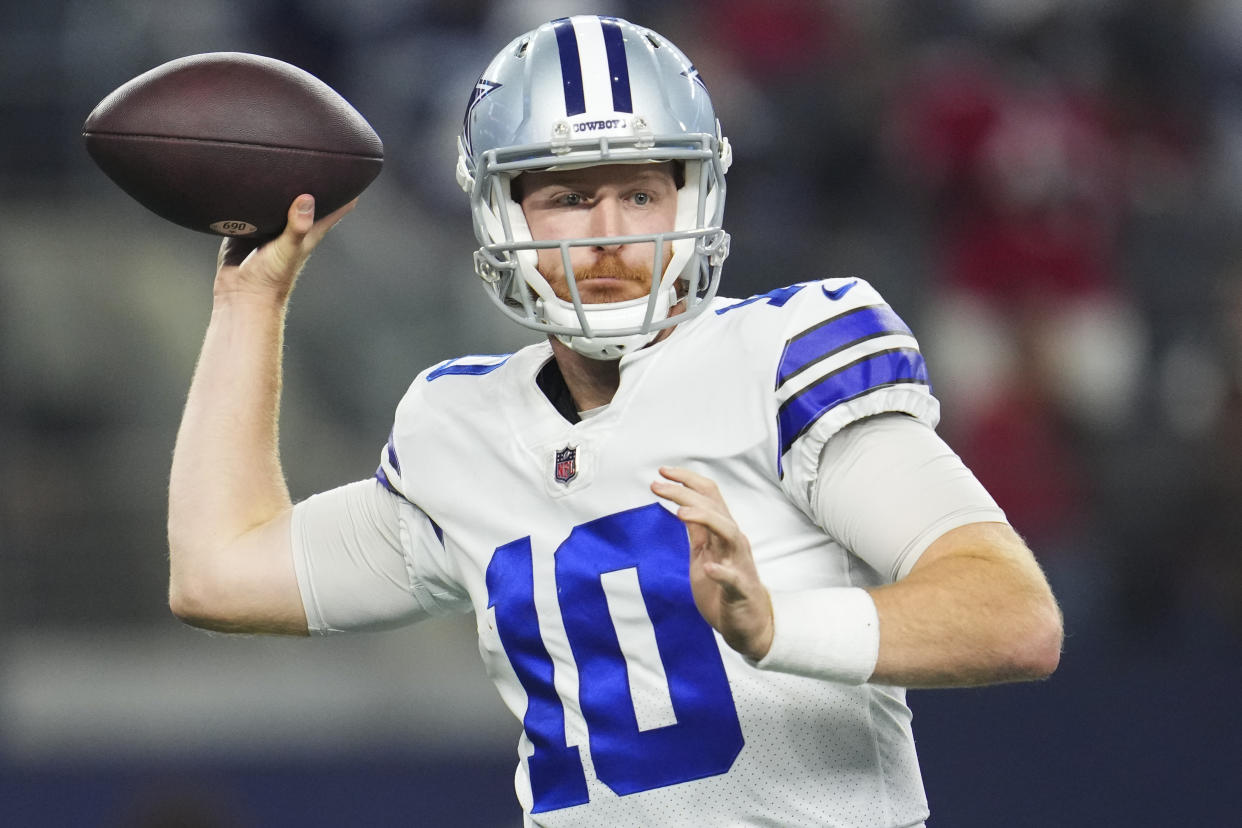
<point x="846" y="356"/>
<point x="367" y="560"/>
<point x="889" y="487"/>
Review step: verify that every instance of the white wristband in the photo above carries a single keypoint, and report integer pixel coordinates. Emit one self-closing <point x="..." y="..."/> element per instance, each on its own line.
<point x="831" y="634"/>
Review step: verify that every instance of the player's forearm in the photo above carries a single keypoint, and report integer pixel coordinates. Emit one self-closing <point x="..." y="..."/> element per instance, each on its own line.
<point x="979" y="616"/>
<point x="226" y="475"/>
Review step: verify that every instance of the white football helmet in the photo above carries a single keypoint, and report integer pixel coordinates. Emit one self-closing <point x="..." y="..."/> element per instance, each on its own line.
<point x="587" y="90"/>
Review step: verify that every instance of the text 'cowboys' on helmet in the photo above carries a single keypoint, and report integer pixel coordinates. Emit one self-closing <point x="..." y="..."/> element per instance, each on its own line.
<point x="580" y="91"/>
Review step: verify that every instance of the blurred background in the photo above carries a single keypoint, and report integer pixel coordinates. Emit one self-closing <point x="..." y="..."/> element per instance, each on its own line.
<point x="1050" y="192"/>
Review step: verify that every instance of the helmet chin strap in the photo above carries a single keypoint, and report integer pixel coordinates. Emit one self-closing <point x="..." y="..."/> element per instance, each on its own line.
<point x="609" y="316"/>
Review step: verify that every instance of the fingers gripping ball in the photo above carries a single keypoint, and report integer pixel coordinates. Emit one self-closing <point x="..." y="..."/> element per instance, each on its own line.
<point x="223" y="142"/>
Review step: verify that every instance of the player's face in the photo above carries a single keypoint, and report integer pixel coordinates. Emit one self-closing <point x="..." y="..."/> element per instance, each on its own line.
<point x="611" y="200"/>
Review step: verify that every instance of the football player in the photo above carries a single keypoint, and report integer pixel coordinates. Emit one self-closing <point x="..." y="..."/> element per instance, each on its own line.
<point x="708" y="542"/>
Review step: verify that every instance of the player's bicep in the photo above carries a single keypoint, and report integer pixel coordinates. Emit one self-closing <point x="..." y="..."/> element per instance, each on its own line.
<point x="353" y="569"/>
<point x="889" y="486"/>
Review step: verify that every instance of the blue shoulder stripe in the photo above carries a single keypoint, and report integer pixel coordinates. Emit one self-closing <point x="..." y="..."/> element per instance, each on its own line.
<point x="392" y="451"/>
<point x="456" y="366"/>
<point x="892" y="367"/>
<point x="835" y="335"/>
<point x="382" y="477"/>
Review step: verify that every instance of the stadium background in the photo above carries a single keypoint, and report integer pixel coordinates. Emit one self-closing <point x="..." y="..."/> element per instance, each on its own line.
<point x="1050" y="192"/>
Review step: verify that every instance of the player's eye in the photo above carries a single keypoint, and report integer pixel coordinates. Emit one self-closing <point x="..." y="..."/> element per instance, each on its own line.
<point x="641" y="199"/>
<point x="570" y="200"/>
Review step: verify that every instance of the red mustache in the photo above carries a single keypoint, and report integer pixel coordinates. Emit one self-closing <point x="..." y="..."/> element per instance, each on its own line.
<point x="610" y="266"/>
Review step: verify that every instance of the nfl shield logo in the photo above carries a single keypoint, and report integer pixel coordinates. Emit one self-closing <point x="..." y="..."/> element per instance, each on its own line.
<point x="566" y="464"/>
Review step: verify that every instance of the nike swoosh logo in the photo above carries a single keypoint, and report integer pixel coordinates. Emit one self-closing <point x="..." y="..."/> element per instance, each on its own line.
<point x="834" y="295"/>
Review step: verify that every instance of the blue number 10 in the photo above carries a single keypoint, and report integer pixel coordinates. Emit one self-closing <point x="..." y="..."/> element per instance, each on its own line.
<point x="706" y="737"/>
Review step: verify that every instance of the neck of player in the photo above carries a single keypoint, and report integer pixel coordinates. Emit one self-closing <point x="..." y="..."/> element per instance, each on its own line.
<point x="594" y="382"/>
<point x="591" y="382"/>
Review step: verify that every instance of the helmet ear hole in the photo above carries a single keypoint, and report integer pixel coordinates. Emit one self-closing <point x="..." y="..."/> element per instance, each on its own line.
<point x="517" y="188"/>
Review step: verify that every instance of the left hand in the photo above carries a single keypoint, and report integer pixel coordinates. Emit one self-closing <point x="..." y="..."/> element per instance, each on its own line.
<point x="723" y="577"/>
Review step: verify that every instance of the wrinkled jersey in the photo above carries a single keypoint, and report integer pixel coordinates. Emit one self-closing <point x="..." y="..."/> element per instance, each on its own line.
<point x="635" y="711"/>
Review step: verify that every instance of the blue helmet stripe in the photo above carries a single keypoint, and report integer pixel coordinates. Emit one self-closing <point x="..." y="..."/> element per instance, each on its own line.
<point x="801" y="411"/>
<point x="571" y="67"/>
<point x="618" y="65"/>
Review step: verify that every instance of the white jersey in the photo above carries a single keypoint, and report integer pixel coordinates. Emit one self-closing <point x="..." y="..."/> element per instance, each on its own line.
<point x="635" y="711"/>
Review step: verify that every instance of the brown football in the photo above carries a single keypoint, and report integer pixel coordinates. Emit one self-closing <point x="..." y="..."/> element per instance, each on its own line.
<point x="223" y="142"/>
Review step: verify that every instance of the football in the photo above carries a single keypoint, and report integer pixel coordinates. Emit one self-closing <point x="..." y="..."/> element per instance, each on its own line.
<point x="223" y="142"/>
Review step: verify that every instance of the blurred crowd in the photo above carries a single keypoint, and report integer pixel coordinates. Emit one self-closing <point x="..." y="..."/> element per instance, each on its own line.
<point x="1049" y="192"/>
